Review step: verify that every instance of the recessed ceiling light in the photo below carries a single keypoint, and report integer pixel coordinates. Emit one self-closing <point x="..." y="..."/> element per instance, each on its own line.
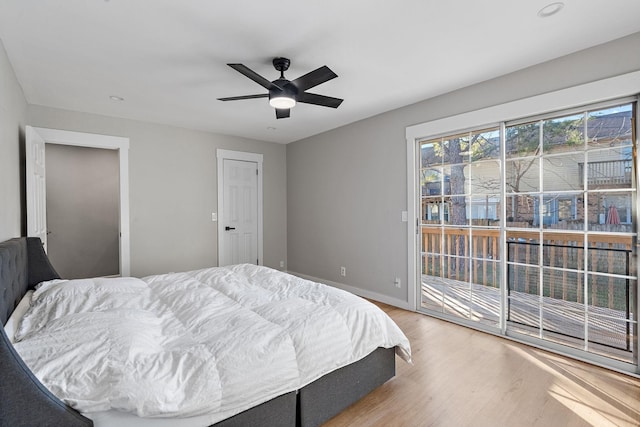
<point x="550" y="9"/>
<point x="271" y="128"/>
<point x="116" y="98"/>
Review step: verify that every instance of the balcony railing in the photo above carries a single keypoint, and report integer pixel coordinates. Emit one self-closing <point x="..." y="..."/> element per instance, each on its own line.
<point x="563" y="286"/>
<point x="606" y="172"/>
<point x="551" y="267"/>
<point x="454" y="253"/>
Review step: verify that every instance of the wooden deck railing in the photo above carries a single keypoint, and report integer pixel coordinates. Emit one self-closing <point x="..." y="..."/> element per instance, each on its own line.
<point x="607" y="172"/>
<point x="562" y="251"/>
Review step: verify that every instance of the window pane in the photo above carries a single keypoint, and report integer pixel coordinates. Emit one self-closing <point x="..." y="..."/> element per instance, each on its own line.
<point x="485" y="145"/>
<point x="609" y="293"/>
<point x="523" y="251"/>
<point x="611" y="168"/>
<point x="563" y="173"/>
<point x="610" y="211"/>
<point x="486" y="272"/>
<point x="521" y="210"/>
<point x="430" y="153"/>
<point x="484" y="177"/>
<point x="432" y="297"/>
<point x="563" y="134"/>
<point x="455" y="179"/>
<point x="524" y="310"/>
<point x="610" y="127"/>
<point x="523" y="140"/>
<point x="523" y="175"/>
<point x="565" y="250"/>
<point x="612" y="332"/>
<point x="563" y="211"/>
<point x="455" y="210"/>
<point x="456" y="149"/>
<point x="484" y="211"/>
<point x="431" y="250"/>
<point x="456" y="242"/>
<point x="564" y="285"/>
<point x="612" y="257"/>
<point x="431" y="210"/>
<point x="431" y="182"/>
<point x="485" y="305"/>
<point x="456" y="269"/>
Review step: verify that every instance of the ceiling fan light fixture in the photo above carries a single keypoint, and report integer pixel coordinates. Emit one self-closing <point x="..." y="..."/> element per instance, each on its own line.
<point x="282" y="102"/>
<point x="285" y="94"/>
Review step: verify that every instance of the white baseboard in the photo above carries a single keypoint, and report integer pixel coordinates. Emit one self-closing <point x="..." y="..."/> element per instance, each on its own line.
<point x="358" y="291"/>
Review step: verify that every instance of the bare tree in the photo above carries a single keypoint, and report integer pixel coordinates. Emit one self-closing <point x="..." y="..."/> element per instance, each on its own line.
<point x="457" y="153"/>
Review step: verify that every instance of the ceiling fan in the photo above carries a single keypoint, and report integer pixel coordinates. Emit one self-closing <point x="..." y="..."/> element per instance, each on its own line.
<point x="284" y="94"/>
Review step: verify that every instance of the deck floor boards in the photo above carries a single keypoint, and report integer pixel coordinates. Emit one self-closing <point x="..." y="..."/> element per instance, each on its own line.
<point x="606" y="327"/>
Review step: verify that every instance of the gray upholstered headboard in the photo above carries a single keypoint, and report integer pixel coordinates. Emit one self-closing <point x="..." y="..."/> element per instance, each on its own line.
<point x="23" y="264"/>
<point x="24" y="401"/>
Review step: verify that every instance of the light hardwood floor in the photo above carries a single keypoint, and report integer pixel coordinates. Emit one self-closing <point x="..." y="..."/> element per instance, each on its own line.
<point x="461" y="377"/>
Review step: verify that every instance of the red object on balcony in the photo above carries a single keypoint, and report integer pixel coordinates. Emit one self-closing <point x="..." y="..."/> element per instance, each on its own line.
<point x="612" y="215"/>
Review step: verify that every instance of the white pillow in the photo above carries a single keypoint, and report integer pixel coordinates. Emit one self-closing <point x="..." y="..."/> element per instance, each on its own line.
<point x="11" y="326"/>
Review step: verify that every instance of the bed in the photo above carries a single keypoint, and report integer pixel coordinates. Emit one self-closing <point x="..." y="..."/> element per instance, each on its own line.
<point x="24" y="400"/>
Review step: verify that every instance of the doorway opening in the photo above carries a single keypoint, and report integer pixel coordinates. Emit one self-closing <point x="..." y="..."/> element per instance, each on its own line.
<point x="82" y="200"/>
<point x="37" y="141"/>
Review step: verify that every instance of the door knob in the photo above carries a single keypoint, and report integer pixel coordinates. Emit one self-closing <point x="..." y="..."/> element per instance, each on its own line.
<point x="227" y="228"/>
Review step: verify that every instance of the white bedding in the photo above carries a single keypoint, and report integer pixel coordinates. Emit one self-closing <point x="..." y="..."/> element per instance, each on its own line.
<point x="11" y="326"/>
<point x="209" y="343"/>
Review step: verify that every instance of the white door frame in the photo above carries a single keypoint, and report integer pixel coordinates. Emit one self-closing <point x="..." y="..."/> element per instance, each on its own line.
<point x="223" y="155"/>
<point x="92" y="140"/>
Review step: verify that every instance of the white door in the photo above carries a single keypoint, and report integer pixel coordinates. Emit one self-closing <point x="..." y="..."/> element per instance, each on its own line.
<point x="36" y="186"/>
<point x="239" y="220"/>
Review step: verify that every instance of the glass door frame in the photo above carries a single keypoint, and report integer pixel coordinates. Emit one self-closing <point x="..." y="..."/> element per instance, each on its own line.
<point x="591" y="93"/>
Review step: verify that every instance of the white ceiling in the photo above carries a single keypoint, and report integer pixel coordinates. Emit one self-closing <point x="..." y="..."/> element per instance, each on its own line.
<point x="167" y="58"/>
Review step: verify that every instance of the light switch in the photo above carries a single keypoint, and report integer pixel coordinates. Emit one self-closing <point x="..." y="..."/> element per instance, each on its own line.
<point x="405" y="216"/>
<point x="214" y="216"/>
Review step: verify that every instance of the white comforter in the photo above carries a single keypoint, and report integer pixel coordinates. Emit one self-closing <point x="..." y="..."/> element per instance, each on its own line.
<point x="214" y="341"/>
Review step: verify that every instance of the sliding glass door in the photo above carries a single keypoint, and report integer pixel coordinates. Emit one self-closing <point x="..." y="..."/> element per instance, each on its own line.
<point x="460" y="216"/>
<point x="528" y="228"/>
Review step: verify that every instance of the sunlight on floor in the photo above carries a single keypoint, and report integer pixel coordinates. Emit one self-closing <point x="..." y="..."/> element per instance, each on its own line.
<point x="589" y="393"/>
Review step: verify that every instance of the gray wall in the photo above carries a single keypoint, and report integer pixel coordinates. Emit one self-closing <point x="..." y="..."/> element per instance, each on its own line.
<point x="173" y="187"/>
<point x="346" y="188"/>
<point x="13" y="113"/>
<point x="83" y="210"/>
<point x="173" y="182"/>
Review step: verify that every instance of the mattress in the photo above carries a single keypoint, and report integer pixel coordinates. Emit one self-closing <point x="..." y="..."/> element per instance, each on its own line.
<point x="225" y="316"/>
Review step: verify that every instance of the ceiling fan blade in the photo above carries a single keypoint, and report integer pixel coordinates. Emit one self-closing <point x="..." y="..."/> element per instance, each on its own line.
<point x="236" y="98"/>
<point x="282" y="113"/>
<point x="254" y="76"/>
<point x="314" y="78"/>
<point x="325" y="101"/>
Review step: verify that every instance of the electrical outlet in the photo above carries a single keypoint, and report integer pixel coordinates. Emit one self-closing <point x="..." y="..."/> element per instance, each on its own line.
<point x="343" y="271"/>
<point x="396" y="282"/>
<point x="281" y="264"/>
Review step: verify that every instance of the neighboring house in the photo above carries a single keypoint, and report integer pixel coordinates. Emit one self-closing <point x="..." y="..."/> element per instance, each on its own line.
<point x="608" y="168"/>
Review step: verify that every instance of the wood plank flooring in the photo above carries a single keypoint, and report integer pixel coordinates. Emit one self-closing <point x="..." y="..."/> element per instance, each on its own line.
<point x="462" y="377"/>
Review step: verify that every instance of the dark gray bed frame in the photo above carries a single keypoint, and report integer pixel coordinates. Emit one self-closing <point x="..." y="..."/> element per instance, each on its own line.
<point x="24" y="401"/>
